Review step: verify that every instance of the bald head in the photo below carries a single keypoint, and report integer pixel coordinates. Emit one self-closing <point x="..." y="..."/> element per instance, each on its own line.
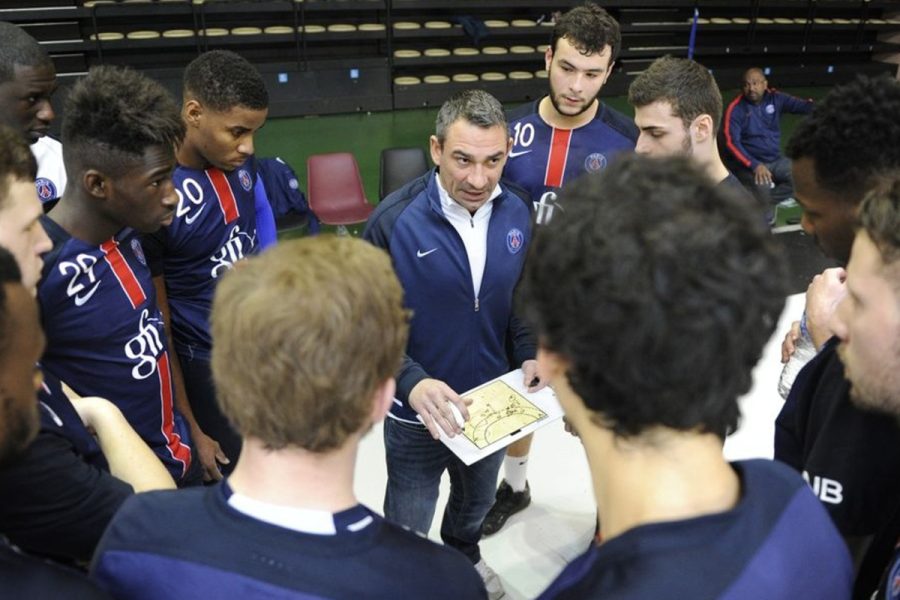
<point x="754" y="85"/>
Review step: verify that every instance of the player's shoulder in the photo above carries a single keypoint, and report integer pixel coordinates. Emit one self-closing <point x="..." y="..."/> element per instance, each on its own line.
<point x="513" y="188"/>
<point x="394" y="204"/>
<point x="29" y="577"/>
<point x="522" y="111"/>
<point x="58" y="237"/>
<point x="618" y="122"/>
<point x="443" y="563"/>
<point x="47" y="145"/>
<point x="137" y="521"/>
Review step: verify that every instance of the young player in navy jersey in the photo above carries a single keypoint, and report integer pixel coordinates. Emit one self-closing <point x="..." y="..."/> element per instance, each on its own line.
<point x="570" y="131"/>
<point x="286" y="523"/>
<point x="215" y="226"/>
<point x="98" y="304"/>
<point x="683" y="278"/>
<point x="565" y="134"/>
<point x="678" y="110"/>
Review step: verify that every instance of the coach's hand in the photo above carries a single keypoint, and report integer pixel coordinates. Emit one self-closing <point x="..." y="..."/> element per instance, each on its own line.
<point x="431" y="399"/>
<point x="532" y="382"/>
<point x="762" y="175"/>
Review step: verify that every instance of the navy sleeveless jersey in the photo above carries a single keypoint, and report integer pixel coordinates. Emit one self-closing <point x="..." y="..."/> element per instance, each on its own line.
<point x="543" y="158"/>
<point x="778" y="543"/>
<point x="105" y="335"/>
<point x="214" y="227"/>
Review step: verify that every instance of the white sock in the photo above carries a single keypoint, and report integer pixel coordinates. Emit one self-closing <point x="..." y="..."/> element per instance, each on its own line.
<point x="515" y="472"/>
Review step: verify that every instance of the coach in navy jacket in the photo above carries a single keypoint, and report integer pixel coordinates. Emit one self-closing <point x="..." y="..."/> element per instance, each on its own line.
<point x="457" y="237"/>
<point x="753" y="134"/>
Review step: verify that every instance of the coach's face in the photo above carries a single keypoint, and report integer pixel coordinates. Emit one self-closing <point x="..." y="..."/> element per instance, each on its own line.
<point x="827" y="217"/>
<point x="143" y="197"/>
<point x="223" y="138"/>
<point x="19" y="377"/>
<point x="868" y="324"/>
<point x="25" y="100"/>
<point x="470" y="161"/>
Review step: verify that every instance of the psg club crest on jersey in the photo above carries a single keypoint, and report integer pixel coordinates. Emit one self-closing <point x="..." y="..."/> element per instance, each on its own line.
<point x="138" y="251"/>
<point x="46" y="190"/>
<point x="893" y="580"/>
<point x="514" y="241"/>
<point x="770" y="109"/>
<point x="594" y="162"/>
<point x="246" y="181"/>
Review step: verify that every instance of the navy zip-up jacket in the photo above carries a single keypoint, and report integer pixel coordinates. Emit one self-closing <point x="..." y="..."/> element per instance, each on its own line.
<point x="454" y="336"/>
<point x="753" y="131"/>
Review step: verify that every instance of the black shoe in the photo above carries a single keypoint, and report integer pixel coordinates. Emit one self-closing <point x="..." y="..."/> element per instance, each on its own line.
<point x="506" y="504"/>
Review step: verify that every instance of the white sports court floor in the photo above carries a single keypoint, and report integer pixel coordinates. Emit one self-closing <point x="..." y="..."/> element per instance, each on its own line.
<point x="537" y="543"/>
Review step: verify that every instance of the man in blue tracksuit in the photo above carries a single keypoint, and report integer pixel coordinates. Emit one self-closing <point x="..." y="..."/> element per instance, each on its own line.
<point x="753" y="135"/>
<point x="457" y="237"/>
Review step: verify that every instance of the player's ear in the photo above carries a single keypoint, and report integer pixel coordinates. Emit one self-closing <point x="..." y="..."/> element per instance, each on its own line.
<point x="383" y="399"/>
<point x="548" y="57"/>
<point x="609" y="70"/>
<point x="192" y="112"/>
<point x="435" y="147"/>
<point x="95" y="183"/>
<point x="702" y="128"/>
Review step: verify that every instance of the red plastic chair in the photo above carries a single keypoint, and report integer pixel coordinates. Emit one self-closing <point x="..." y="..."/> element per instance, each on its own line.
<point x="335" y="190"/>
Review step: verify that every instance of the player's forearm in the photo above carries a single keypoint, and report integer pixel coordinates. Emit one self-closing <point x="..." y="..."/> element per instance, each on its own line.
<point x="129" y="457"/>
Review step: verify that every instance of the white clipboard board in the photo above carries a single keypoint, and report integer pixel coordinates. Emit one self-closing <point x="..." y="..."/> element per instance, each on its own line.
<point x="501" y="413"/>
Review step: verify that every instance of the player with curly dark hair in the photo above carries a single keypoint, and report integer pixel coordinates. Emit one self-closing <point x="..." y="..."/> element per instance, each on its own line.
<point x="111" y="132"/>
<point x="653" y="295"/>
<point x="850" y="137"/>
<point x="223" y="216"/>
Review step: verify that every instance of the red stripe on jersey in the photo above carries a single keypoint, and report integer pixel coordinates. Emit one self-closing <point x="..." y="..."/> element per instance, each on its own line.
<point x="227" y="202"/>
<point x="556" y="160"/>
<point x="729" y="136"/>
<point x="122" y="270"/>
<point x="178" y="449"/>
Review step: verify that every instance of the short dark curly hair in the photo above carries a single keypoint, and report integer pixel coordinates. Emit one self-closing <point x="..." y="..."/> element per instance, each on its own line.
<point x="660" y="289"/>
<point x="223" y="80"/>
<point x="16" y="160"/>
<point x="589" y="28"/>
<point x="686" y="85"/>
<point x="18" y="48"/>
<point x="851" y="136"/>
<point x="112" y="116"/>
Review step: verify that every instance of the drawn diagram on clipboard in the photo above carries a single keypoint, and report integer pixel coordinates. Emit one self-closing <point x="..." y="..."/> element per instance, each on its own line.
<point x="497" y="410"/>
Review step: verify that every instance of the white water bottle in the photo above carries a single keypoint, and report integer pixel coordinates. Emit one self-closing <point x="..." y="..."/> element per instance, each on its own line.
<point x="804" y="351"/>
